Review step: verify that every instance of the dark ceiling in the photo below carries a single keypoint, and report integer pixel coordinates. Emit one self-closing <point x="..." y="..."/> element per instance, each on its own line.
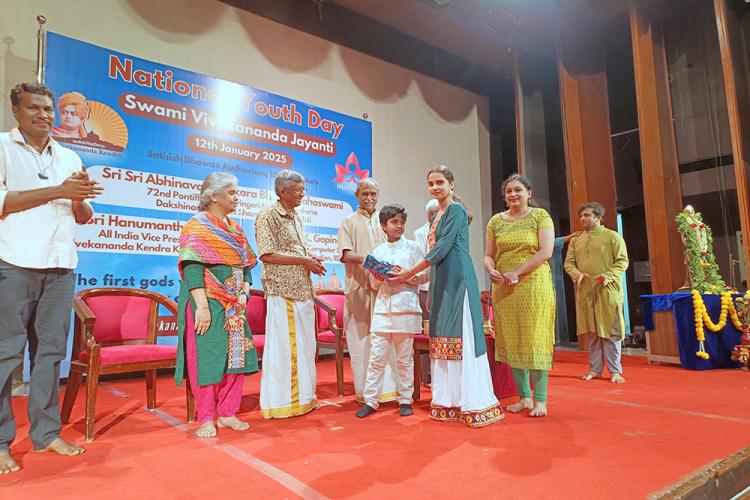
<point x="469" y="43"/>
<point x="486" y="31"/>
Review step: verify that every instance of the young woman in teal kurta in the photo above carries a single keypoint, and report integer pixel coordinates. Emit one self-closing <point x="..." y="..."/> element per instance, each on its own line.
<point x="452" y="277"/>
<point x="461" y="383"/>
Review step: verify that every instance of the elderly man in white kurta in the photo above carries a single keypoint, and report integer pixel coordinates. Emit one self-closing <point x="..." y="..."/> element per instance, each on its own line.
<point x="359" y="234"/>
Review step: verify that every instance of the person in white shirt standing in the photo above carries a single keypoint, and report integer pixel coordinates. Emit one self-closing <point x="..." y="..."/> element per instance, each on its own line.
<point x="420" y="234"/>
<point x="43" y="193"/>
<point x="396" y="317"/>
<point x="420" y="238"/>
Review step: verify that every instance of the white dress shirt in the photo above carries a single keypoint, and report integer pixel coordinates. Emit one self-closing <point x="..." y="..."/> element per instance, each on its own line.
<point x="40" y="237"/>
<point x="420" y="238"/>
<point x="397" y="305"/>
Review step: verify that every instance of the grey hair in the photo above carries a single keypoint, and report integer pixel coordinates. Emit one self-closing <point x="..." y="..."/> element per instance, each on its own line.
<point x="214" y="183"/>
<point x="432" y="206"/>
<point x="367" y="181"/>
<point x="31" y="88"/>
<point x="286" y="177"/>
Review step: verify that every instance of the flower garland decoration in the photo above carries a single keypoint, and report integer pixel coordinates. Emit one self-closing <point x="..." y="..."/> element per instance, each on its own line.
<point x="739" y="317"/>
<point x="702" y="267"/>
<point x="742" y="306"/>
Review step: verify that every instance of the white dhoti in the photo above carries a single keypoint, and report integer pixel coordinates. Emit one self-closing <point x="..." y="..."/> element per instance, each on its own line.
<point x="358" y="345"/>
<point x="462" y="389"/>
<point x="287" y="384"/>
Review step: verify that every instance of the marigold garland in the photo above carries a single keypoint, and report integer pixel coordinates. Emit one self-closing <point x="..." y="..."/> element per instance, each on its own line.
<point x="703" y="319"/>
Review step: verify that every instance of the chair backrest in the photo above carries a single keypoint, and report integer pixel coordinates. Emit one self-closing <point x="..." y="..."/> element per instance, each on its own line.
<point x="487" y="313"/>
<point x="256" y="313"/>
<point x="423" y="295"/>
<point x="334" y="300"/>
<point x="120" y="317"/>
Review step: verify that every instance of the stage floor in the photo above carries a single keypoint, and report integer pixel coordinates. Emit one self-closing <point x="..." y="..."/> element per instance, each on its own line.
<point x="600" y="440"/>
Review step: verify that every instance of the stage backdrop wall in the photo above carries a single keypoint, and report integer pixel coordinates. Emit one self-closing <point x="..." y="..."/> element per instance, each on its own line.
<point x="416" y="121"/>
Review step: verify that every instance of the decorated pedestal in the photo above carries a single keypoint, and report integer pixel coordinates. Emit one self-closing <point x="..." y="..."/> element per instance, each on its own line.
<point x="706" y="286"/>
<point x="717" y="344"/>
<point x="728" y="311"/>
<point x="741" y="352"/>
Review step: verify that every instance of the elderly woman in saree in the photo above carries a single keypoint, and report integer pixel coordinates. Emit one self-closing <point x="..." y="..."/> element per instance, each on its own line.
<point x="214" y="262"/>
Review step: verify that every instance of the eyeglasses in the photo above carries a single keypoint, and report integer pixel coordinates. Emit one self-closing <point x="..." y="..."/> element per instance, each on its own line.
<point x="298" y="190"/>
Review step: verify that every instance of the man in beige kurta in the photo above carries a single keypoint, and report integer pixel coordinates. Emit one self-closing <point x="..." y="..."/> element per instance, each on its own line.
<point x="359" y="234"/>
<point x="595" y="261"/>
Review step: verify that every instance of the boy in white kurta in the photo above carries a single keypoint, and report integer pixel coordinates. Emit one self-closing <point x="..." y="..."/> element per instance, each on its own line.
<point x="396" y="317"/>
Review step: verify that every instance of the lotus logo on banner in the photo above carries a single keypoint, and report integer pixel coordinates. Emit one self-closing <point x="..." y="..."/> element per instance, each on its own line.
<point x="346" y="178"/>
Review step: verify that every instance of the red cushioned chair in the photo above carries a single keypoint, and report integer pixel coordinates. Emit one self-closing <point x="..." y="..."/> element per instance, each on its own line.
<point x="486" y="297"/>
<point x="502" y="376"/>
<point x="329" y="328"/>
<point x="255" y="311"/>
<point x="115" y="332"/>
<point x="421" y="346"/>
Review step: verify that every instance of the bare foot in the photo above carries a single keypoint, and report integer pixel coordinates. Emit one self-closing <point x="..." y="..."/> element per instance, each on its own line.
<point x="522" y="404"/>
<point x="617" y="379"/>
<point x="539" y="410"/>
<point x="591" y="375"/>
<point x="206" y="430"/>
<point x="233" y="423"/>
<point x="59" y="445"/>
<point x="7" y="464"/>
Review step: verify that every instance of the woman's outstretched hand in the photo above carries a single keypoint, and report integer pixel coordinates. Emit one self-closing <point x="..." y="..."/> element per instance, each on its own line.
<point x="400" y="275"/>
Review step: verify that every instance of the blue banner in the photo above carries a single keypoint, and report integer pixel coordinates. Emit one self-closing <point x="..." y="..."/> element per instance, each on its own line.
<point x="150" y="133"/>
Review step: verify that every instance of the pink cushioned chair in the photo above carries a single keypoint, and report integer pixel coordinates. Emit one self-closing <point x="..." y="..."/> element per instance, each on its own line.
<point x="255" y="310"/>
<point x="329" y="328"/>
<point x="115" y="332"/>
<point x="502" y="376"/>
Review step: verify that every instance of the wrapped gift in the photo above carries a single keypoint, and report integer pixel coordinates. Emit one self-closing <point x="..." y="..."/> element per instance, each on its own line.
<point x="378" y="267"/>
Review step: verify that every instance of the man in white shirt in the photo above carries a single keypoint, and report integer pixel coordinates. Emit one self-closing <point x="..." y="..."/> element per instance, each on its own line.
<point x="420" y="238"/>
<point x="420" y="235"/>
<point x="43" y="193"/>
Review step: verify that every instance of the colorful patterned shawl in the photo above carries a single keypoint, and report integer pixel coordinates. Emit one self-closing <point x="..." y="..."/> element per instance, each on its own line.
<point x="209" y="240"/>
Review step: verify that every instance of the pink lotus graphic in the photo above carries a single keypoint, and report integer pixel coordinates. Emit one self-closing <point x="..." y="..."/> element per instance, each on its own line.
<point x="346" y="174"/>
